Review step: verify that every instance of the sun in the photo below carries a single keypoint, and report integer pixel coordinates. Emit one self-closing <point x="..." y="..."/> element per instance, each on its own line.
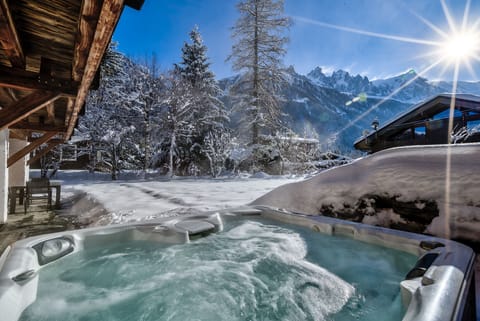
<point x="461" y="46"/>
<point x="457" y="45"/>
<point x="456" y="48"/>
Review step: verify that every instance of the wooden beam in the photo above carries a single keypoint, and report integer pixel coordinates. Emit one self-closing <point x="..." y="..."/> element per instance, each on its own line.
<point x="25" y="106"/>
<point x="87" y="23"/>
<point x="53" y="140"/>
<point x="109" y="15"/>
<point x="10" y="94"/>
<point x="51" y="145"/>
<point x="27" y="80"/>
<point x="6" y="97"/>
<point x="50" y="108"/>
<point x="17" y="134"/>
<point x="56" y="141"/>
<point x="24" y="125"/>
<point x="29" y="148"/>
<point x="9" y="39"/>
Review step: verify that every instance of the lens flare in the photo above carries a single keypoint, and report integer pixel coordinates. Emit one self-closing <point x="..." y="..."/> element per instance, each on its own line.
<point x="455" y="48"/>
<point x="461" y="46"/>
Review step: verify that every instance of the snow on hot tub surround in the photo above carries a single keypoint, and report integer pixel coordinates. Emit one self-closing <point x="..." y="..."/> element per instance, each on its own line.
<point x="412" y="175"/>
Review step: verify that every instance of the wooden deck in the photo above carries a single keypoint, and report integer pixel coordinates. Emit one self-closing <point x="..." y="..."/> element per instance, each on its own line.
<point x="38" y="220"/>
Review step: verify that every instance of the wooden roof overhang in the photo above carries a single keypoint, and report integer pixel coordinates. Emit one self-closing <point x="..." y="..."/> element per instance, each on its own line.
<point x="50" y="52"/>
<point x="423" y="110"/>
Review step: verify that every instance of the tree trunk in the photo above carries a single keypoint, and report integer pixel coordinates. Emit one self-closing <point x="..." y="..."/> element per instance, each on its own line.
<point x="146" y="142"/>
<point x="255" y="129"/>
<point x="93" y="158"/>
<point x="114" y="163"/>
<point x="170" y="156"/>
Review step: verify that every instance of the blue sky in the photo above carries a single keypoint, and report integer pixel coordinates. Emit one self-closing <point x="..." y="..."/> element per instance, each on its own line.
<point x="162" y="26"/>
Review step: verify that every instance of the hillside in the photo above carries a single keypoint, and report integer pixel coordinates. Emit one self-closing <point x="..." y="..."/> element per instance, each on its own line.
<point x="340" y="106"/>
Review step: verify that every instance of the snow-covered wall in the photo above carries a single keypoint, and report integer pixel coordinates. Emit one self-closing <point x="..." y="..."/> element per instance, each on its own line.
<point x="408" y="188"/>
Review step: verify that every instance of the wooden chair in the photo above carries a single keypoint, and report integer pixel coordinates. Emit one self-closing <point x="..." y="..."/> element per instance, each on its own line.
<point x="38" y="188"/>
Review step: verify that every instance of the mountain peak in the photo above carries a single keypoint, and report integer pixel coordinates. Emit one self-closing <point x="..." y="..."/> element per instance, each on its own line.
<point x="290" y="69"/>
<point x="316" y="73"/>
<point x="341" y="73"/>
<point x="408" y="74"/>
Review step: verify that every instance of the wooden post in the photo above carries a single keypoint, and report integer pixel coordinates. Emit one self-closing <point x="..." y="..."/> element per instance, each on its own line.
<point x="18" y="173"/>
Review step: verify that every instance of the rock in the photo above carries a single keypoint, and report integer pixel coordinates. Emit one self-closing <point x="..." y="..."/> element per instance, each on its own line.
<point x="415" y="215"/>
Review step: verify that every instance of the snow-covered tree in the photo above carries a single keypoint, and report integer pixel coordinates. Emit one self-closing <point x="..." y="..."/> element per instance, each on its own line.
<point x="147" y="87"/>
<point x="177" y="120"/>
<point x="50" y="161"/>
<point x="108" y="123"/>
<point x="208" y="111"/>
<point x="195" y="66"/>
<point x="217" y="150"/>
<point x="258" y="50"/>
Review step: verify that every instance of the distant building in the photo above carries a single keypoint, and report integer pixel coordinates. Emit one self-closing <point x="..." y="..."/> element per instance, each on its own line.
<point x="427" y="123"/>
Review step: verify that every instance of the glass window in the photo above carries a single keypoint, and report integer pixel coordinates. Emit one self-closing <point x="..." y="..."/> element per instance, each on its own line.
<point x="420" y="131"/>
<point x="473" y="126"/>
<point x="446" y="113"/>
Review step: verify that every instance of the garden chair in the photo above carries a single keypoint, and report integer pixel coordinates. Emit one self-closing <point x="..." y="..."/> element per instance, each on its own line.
<point x="38" y="188"/>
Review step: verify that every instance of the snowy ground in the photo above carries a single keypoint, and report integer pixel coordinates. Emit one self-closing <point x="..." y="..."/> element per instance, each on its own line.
<point x="132" y="199"/>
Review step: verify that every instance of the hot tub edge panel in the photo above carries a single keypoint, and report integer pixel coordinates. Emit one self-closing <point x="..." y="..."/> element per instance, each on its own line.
<point x="449" y="272"/>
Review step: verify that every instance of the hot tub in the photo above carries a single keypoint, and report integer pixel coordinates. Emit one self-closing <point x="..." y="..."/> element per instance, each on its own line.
<point x="253" y="263"/>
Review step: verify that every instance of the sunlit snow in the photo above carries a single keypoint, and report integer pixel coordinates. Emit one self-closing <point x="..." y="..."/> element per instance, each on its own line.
<point x="132" y="199"/>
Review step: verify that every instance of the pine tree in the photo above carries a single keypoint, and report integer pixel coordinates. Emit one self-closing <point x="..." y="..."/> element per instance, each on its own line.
<point x="257" y="51"/>
<point x="208" y="111"/>
<point x="194" y="66"/>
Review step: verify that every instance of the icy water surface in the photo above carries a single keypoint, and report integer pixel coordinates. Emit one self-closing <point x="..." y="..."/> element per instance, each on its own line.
<point x="251" y="271"/>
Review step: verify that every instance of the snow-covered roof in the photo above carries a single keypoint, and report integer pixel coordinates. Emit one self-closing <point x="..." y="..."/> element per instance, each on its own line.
<point x="300" y="140"/>
<point x="78" y="139"/>
<point x="426" y="106"/>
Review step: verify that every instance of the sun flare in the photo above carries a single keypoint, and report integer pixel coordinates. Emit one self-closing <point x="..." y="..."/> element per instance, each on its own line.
<point x="456" y="48"/>
<point x="461" y="46"/>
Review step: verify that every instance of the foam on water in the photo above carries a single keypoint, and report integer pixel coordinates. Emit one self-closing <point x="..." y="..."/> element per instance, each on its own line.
<point x="252" y="271"/>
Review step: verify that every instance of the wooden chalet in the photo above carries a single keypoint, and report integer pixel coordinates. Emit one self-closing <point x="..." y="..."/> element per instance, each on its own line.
<point x="50" y="52"/>
<point x="427" y="123"/>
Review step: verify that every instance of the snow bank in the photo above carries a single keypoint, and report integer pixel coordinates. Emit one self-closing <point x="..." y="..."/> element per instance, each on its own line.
<point x="409" y="175"/>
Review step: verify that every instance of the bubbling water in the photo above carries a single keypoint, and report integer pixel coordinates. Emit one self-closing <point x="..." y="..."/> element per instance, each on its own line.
<point x="251" y="271"/>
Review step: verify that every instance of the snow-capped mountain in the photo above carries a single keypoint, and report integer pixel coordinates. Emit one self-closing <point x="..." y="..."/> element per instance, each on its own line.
<point x="340" y="107"/>
<point x="336" y="115"/>
<point x="340" y="80"/>
<point x="416" y="88"/>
